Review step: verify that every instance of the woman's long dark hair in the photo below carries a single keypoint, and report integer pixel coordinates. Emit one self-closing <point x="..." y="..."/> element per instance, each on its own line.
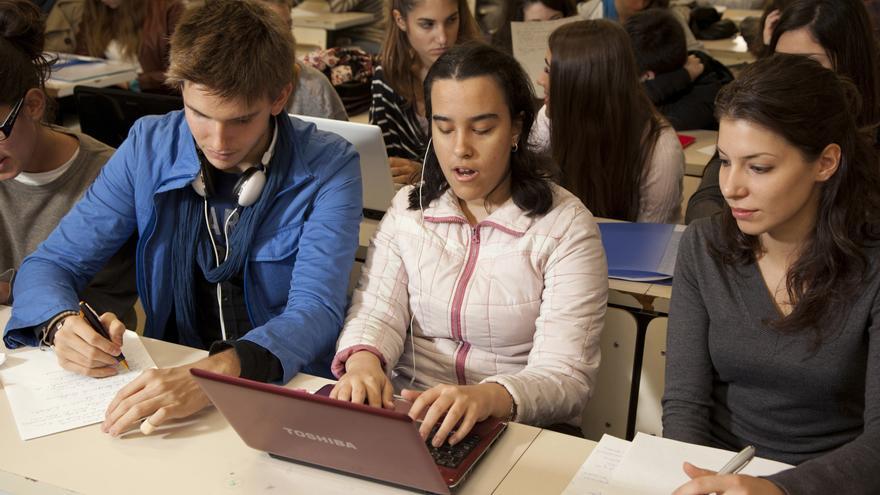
<point x="810" y="107"/>
<point x="844" y="30"/>
<point x="529" y="175"/>
<point x="603" y="127"/>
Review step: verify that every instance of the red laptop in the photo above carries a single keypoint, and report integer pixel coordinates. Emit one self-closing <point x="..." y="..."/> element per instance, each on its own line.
<point x="356" y="439"/>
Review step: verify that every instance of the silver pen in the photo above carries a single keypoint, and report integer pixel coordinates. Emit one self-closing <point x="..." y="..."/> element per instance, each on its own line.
<point x="739" y="461"/>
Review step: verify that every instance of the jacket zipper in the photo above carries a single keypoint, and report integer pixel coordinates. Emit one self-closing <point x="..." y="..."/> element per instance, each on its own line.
<point x="458" y="301"/>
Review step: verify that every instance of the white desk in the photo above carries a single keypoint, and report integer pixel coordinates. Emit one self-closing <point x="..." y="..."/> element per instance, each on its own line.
<point x="315" y="28"/>
<point x="695" y="159"/>
<point x="737" y="15"/>
<point x="548" y="465"/>
<point x="730" y="51"/>
<point x="106" y="74"/>
<point x="203" y="455"/>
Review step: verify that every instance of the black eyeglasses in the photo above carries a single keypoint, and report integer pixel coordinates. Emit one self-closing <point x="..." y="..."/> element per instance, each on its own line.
<point x="9" y="123"/>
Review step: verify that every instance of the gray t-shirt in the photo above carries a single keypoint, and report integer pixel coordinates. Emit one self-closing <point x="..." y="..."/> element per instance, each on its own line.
<point x="314" y="96"/>
<point x="732" y="380"/>
<point x="29" y="213"/>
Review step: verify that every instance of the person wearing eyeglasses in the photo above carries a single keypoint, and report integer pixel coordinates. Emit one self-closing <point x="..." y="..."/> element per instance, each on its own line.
<point x="45" y="169"/>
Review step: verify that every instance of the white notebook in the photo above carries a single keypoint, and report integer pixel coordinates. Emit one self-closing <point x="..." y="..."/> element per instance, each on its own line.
<point x="652" y="465"/>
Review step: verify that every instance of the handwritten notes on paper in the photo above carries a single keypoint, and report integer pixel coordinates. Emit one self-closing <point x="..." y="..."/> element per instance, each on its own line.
<point x="47" y="399"/>
<point x="530" y="41"/>
<point x="651" y="465"/>
<point x="594" y="476"/>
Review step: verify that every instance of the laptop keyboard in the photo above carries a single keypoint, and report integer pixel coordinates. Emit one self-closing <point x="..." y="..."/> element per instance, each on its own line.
<point x="450" y="456"/>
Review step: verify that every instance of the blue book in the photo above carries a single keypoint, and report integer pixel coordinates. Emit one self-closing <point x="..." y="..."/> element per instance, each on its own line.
<point x="641" y="252"/>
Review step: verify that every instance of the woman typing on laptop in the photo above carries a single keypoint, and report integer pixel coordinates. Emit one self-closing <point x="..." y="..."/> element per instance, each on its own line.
<point x="497" y="274"/>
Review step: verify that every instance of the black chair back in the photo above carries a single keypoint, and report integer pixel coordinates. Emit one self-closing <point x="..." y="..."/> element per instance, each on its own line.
<point x="107" y="114"/>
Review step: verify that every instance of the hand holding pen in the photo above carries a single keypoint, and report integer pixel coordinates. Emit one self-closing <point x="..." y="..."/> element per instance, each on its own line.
<point x="80" y="347"/>
<point x="94" y="321"/>
<point x="726" y="480"/>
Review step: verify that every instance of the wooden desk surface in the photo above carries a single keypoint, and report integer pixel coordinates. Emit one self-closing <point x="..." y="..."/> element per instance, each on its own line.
<point x="737" y="15"/>
<point x="201" y="455"/>
<point x="695" y="158"/>
<point x="729" y="51"/>
<point x="548" y="465"/>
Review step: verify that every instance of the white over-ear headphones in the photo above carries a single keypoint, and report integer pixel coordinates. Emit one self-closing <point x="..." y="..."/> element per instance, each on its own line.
<point x="248" y="187"/>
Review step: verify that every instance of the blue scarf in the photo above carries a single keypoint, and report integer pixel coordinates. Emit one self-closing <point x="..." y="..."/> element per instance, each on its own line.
<point x="191" y="242"/>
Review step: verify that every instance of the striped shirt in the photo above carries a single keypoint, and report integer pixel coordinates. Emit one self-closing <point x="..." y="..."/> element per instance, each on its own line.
<point x="397" y="118"/>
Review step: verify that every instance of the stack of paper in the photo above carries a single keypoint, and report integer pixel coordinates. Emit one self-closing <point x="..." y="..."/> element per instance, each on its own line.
<point x="651" y="465"/>
<point x="73" y="68"/>
<point x="47" y="399"/>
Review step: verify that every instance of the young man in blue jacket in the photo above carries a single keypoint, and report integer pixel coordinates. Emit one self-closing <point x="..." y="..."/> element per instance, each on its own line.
<point x="247" y="221"/>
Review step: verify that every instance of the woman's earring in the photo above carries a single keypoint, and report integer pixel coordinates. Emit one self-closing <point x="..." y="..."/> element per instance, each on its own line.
<point x="515" y="147"/>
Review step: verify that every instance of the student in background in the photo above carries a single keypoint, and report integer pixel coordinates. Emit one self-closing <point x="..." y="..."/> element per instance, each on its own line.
<point x="837" y="34"/>
<point x="621" y="10"/>
<point x="62" y="23"/>
<point x="614" y="150"/>
<point x="136" y="30"/>
<point x="487" y="222"/>
<point x="419" y="32"/>
<point x="45" y="169"/>
<point x="680" y="84"/>
<point x="313" y="95"/>
<point x="774" y="325"/>
<point x="368" y="37"/>
<point x="248" y="223"/>
<point x="528" y="11"/>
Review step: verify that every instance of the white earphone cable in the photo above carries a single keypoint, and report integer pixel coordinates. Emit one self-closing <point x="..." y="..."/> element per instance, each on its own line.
<point x="412" y="339"/>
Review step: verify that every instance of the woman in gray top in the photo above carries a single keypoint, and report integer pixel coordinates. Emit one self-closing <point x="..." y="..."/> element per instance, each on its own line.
<point x="44" y="170"/>
<point x="774" y="325"/>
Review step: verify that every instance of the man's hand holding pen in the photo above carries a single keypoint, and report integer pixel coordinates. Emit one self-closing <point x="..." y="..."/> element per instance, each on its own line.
<point x="81" y="349"/>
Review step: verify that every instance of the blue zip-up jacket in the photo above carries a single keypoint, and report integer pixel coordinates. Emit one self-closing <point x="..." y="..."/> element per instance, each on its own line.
<point x="294" y="281"/>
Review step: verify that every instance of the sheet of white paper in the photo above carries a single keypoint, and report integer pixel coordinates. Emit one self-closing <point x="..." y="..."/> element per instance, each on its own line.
<point x="5" y="314"/>
<point x="652" y="465"/>
<point x="594" y="476"/>
<point x="707" y="150"/>
<point x="47" y="399"/>
<point x="530" y="43"/>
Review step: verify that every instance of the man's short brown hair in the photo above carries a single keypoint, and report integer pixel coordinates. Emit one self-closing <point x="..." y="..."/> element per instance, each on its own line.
<point x="235" y="48"/>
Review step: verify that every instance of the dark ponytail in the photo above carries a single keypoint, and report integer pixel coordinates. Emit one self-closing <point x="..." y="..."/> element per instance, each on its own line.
<point x="23" y="65"/>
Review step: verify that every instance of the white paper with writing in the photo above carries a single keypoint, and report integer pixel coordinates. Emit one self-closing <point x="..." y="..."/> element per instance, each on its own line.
<point x="47" y="399"/>
<point x="594" y="476"/>
<point x="653" y="465"/>
<point x="530" y="41"/>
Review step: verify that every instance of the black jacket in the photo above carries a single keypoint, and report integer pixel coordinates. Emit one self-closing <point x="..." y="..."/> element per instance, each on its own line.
<point x="687" y="104"/>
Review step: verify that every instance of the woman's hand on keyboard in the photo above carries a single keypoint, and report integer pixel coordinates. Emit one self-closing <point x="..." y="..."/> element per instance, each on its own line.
<point x="459" y="407"/>
<point x="364" y="382"/>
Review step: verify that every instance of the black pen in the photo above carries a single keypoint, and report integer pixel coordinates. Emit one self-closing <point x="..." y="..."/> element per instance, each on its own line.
<point x="95" y="322"/>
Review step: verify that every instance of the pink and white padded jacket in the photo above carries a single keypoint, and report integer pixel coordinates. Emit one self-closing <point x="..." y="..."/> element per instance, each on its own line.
<point x="515" y="300"/>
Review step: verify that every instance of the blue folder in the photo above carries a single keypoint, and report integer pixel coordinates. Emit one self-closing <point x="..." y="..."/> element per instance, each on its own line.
<point x="641" y="252"/>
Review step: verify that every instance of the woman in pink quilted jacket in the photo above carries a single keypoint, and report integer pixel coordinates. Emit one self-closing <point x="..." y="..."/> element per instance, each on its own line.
<point x="497" y="274"/>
